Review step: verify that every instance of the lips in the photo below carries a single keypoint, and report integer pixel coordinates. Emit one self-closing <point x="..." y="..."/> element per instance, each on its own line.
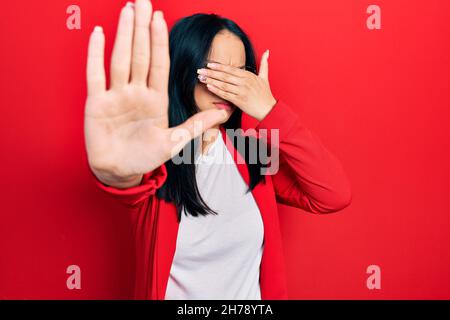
<point x="223" y="105"/>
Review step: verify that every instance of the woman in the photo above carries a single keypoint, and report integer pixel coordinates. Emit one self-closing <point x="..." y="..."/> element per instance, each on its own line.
<point x="203" y="230"/>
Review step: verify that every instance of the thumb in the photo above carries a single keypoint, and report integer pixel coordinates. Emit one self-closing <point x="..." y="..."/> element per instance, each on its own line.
<point x="194" y="127"/>
<point x="264" y="66"/>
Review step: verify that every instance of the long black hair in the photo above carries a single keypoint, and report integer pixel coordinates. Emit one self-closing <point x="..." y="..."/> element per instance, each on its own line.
<point x="190" y="41"/>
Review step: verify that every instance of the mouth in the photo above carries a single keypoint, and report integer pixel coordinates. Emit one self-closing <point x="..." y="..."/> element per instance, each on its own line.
<point x="224" y="105"/>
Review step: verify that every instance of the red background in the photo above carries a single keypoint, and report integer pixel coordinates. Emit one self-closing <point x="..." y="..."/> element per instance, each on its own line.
<point x="379" y="99"/>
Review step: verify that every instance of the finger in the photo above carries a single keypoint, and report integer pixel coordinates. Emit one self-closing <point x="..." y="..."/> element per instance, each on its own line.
<point x="231" y="88"/>
<point x="141" y="42"/>
<point x="221" y="75"/>
<point x="264" y="66"/>
<point x="194" y="127"/>
<point x="160" y="60"/>
<point x="223" y="94"/>
<point x="228" y="69"/>
<point x="95" y="70"/>
<point x="121" y="55"/>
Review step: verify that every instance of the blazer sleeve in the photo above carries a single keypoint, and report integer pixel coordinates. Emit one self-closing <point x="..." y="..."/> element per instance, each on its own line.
<point x="309" y="176"/>
<point x="133" y="196"/>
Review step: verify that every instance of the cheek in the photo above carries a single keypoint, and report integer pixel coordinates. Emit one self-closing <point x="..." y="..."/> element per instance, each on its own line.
<point x="203" y="97"/>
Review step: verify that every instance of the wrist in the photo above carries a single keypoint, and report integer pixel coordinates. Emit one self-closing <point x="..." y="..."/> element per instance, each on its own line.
<point x="264" y="111"/>
<point x="121" y="182"/>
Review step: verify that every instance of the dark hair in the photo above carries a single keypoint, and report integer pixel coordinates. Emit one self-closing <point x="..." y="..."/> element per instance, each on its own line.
<point x="190" y="42"/>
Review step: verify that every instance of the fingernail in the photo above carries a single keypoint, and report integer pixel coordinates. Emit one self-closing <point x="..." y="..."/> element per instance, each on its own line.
<point x="98" y="29"/>
<point x="201" y="71"/>
<point x="130" y="4"/>
<point x="268" y="53"/>
<point x="158" y="14"/>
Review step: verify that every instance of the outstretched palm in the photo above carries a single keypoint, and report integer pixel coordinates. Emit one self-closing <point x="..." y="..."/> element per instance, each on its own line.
<point x="126" y="126"/>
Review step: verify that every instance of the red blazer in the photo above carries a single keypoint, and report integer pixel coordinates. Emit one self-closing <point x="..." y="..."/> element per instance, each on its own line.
<point x="309" y="177"/>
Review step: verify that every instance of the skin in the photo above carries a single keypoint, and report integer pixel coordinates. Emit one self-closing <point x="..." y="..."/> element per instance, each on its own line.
<point x="126" y="125"/>
<point x="227" y="49"/>
<point x="230" y="82"/>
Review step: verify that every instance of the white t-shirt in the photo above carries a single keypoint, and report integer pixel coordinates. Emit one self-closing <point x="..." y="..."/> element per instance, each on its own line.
<point x="219" y="256"/>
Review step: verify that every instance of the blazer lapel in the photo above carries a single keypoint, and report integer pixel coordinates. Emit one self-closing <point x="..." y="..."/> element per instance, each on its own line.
<point x="166" y="241"/>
